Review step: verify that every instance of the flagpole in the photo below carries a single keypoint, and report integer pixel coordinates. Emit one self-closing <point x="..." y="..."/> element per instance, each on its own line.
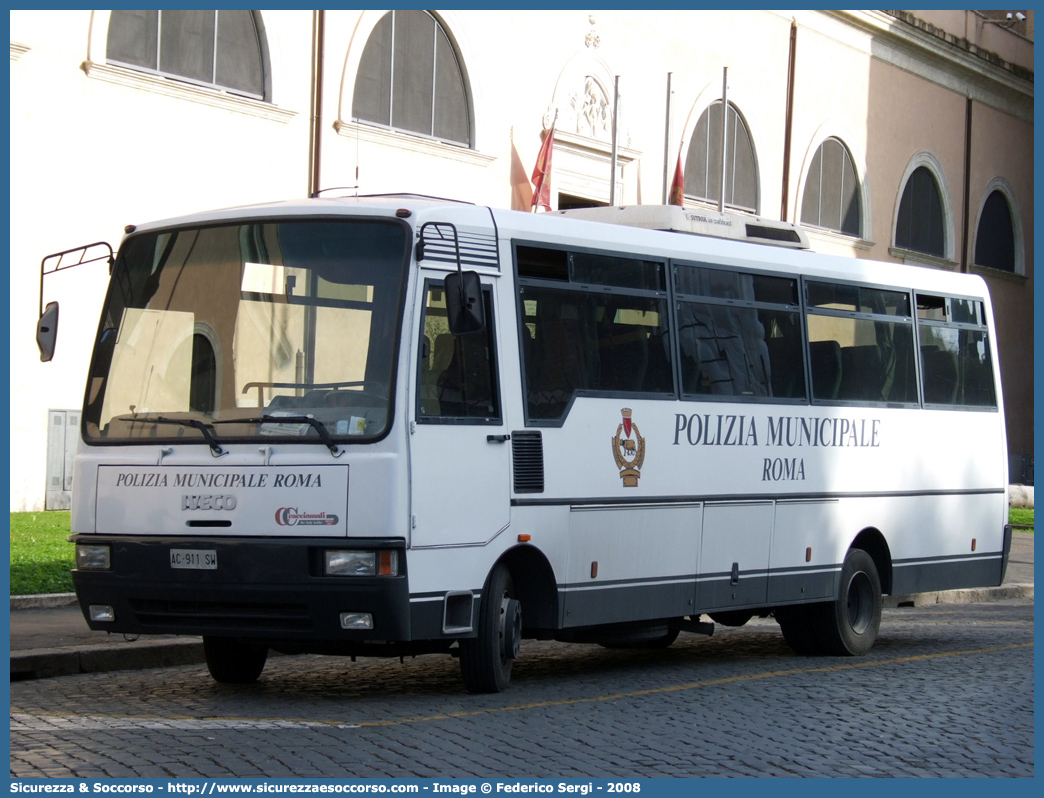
<point x="724" y="131"/>
<point x="616" y="108"/>
<point x="667" y="141"/>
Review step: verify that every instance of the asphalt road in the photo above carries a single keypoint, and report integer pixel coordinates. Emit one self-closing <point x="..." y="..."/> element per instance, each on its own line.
<point x="947" y="691"/>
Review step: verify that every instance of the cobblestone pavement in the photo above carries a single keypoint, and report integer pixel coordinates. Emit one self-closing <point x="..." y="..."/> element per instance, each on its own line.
<point x="947" y="691"/>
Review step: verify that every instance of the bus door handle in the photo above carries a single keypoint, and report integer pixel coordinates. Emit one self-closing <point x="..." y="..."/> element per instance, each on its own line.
<point x="497" y="438"/>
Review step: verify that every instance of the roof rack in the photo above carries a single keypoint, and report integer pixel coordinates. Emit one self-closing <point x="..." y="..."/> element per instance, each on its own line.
<point x="697" y="221"/>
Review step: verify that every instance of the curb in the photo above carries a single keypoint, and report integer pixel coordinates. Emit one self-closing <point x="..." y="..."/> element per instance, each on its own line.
<point x="44" y="663"/>
<point x="43" y="601"/>
<point x="974" y="595"/>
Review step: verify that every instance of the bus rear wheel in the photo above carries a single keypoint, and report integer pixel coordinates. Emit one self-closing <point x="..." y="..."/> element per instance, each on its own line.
<point x="799" y="625"/>
<point x="849" y="624"/>
<point x="232" y="662"/>
<point x="485" y="660"/>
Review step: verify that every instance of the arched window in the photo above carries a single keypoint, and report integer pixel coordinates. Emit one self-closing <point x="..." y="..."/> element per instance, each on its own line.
<point x="919" y="226"/>
<point x="995" y="238"/>
<point x="410" y="79"/>
<point x="223" y="49"/>
<point x="703" y="161"/>
<point x="831" y="198"/>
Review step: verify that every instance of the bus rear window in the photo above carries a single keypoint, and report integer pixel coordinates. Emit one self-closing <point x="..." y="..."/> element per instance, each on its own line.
<point x="956" y="364"/>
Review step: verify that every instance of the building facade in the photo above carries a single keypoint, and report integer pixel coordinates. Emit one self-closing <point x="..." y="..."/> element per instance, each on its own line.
<point x="897" y="136"/>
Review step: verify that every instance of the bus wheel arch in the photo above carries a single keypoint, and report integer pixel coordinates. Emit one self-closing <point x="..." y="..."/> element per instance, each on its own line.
<point x="873" y="543"/>
<point x="535" y="588"/>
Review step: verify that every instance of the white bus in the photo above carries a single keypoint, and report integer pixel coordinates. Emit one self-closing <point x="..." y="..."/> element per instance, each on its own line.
<point x="390" y="426"/>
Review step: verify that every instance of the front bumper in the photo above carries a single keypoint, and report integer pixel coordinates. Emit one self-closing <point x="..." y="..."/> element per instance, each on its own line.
<point x="266" y="589"/>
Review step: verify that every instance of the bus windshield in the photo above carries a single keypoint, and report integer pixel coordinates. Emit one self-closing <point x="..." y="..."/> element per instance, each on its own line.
<point x="244" y="331"/>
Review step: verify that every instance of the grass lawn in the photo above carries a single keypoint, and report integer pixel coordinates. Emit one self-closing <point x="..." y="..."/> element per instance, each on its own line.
<point x="1022" y="518"/>
<point x="41" y="557"/>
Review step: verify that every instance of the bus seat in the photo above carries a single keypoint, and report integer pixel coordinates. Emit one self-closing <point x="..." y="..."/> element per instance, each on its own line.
<point x="862" y="373"/>
<point x="825" y="362"/>
<point x="315" y="398"/>
<point x="975" y="380"/>
<point x="786" y="368"/>
<point x="566" y="363"/>
<point x="441" y="355"/>
<point x="940" y="375"/>
<point x="658" y="375"/>
<point x="282" y="402"/>
<point x="904" y="374"/>
<point x="465" y="387"/>
<point x="624" y="357"/>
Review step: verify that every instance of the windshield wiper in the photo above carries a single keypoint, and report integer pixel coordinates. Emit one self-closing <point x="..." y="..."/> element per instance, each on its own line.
<point x="310" y="420"/>
<point x="207" y="430"/>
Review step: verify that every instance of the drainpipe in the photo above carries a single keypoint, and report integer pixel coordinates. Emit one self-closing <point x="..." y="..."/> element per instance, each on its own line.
<point x="967" y="181"/>
<point x="316" y="118"/>
<point x="612" y="160"/>
<point x="789" y="123"/>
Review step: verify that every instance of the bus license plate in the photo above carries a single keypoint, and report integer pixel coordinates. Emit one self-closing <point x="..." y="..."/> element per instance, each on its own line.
<point x="194" y="559"/>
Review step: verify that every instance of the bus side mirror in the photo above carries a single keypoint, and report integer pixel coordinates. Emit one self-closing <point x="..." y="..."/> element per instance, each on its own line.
<point x="464" y="308"/>
<point x="47" y="331"/>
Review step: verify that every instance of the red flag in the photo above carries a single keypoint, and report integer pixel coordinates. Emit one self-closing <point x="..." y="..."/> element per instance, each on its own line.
<point x="677" y="194"/>
<point x="542" y="172"/>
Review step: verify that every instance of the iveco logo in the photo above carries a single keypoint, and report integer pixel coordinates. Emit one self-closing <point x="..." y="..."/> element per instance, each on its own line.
<point x="208" y="502"/>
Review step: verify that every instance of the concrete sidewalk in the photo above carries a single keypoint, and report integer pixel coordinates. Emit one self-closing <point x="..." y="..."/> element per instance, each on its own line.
<point x="49" y="636"/>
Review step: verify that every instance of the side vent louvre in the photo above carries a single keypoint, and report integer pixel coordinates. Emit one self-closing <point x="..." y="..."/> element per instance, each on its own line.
<point x="476" y="249"/>
<point x="527" y="455"/>
<point x="773" y="233"/>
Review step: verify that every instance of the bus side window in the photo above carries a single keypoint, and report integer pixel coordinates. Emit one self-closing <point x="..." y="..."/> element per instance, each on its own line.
<point x="739" y="333"/>
<point x="587" y="341"/>
<point x="565" y="355"/>
<point x="592" y="322"/>
<point x="956" y="368"/>
<point x="871" y="331"/>
<point x="457" y="372"/>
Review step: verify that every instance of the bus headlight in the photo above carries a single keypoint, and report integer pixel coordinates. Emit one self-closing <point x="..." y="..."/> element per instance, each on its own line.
<point x="90" y="557"/>
<point x="344" y="562"/>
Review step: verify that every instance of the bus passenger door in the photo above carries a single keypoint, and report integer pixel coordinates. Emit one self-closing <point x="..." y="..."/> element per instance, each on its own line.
<point x="459" y="449"/>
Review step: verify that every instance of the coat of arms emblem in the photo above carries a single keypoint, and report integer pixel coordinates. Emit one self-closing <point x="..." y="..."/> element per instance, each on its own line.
<point x="628" y="450"/>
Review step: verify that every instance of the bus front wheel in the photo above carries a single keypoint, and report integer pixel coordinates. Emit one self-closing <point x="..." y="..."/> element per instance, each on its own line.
<point x="485" y="660"/>
<point x="849" y="624"/>
<point x="232" y="662"/>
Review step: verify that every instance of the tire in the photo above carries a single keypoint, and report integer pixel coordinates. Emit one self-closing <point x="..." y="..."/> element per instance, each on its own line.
<point x="232" y="662"/>
<point x="485" y="660"/>
<point x="800" y="627"/>
<point x="849" y="624"/>
<point x="732" y="617"/>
